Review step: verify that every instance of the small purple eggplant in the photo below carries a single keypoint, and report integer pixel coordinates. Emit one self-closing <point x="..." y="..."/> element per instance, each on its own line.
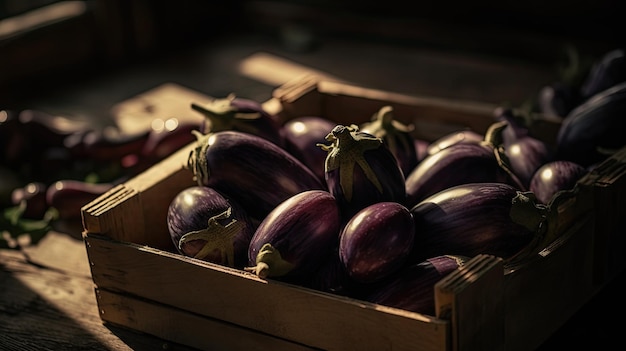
<point x="395" y="135"/>
<point x="555" y="176"/>
<point x="360" y="170"/>
<point x="302" y="134"/>
<point x="477" y="218"/>
<point x="205" y="224"/>
<point x="376" y="241"/>
<point x="524" y="153"/>
<point x="460" y="163"/>
<point x="296" y="237"/>
<point x="240" y="114"/>
<point x="412" y="289"/>
<point x="255" y="172"/>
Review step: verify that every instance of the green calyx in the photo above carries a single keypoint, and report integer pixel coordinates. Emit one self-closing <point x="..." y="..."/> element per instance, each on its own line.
<point x="347" y="150"/>
<point x="221" y="115"/>
<point x="269" y="263"/>
<point x="385" y="126"/>
<point x="217" y="237"/>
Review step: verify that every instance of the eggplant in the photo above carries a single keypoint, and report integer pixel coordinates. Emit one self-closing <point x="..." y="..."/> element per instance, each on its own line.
<point x="606" y="72"/>
<point x="360" y="170"/>
<point x="239" y="114"/>
<point x="524" y="153"/>
<point x="377" y="241"/>
<point x="595" y="129"/>
<point x="557" y="99"/>
<point x="302" y="135"/>
<point x="461" y="136"/>
<point x="207" y="225"/>
<point x="459" y="163"/>
<point x="68" y="196"/>
<point x="395" y="135"/>
<point x="296" y="237"/>
<point x="253" y="171"/>
<point x="553" y="177"/>
<point x="477" y="218"/>
<point x="412" y="289"/>
<point x="331" y="276"/>
<point x="33" y="198"/>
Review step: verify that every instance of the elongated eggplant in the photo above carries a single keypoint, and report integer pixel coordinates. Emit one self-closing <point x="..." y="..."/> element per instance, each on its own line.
<point x="239" y="114"/>
<point x="524" y="153"/>
<point x="477" y="218"/>
<point x="595" y="129"/>
<point x="377" y="241"/>
<point x="69" y="196"/>
<point x="302" y="134"/>
<point x="412" y="289"/>
<point x="253" y="171"/>
<point x="461" y="136"/>
<point x="553" y="177"/>
<point x="360" y="170"/>
<point x="607" y="71"/>
<point x="395" y="135"/>
<point x="296" y="237"/>
<point x="460" y="163"/>
<point x="205" y="224"/>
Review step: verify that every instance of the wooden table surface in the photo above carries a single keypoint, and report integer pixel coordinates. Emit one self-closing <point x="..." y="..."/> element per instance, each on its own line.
<point x="47" y="299"/>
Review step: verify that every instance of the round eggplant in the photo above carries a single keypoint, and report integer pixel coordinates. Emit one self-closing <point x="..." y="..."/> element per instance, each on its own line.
<point x="553" y="177"/>
<point x="411" y="289"/>
<point x="477" y="218"/>
<point x="395" y="135"/>
<point x="301" y="137"/>
<point x="205" y="224"/>
<point x="239" y="114"/>
<point x="360" y="170"/>
<point x="296" y="237"/>
<point x="253" y="171"/>
<point x="376" y="241"/>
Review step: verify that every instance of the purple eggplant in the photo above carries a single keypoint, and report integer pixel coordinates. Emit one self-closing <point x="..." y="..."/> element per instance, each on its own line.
<point x="412" y="289"/>
<point x="302" y="134"/>
<point x="255" y="172"/>
<point x="606" y="72"/>
<point x="360" y="170"/>
<point x="557" y="99"/>
<point x="205" y="224"/>
<point x="595" y="129"/>
<point x="462" y="136"/>
<point x="69" y="196"/>
<point x="553" y="177"/>
<point x="33" y="197"/>
<point x="296" y="237"/>
<point x="377" y="241"/>
<point x="239" y="114"/>
<point x="477" y="218"/>
<point x="395" y="135"/>
<point x="460" y="163"/>
<point x="524" y="153"/>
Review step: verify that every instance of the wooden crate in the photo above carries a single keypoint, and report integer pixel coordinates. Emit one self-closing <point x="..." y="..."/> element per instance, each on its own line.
<point x="142" y="284"/>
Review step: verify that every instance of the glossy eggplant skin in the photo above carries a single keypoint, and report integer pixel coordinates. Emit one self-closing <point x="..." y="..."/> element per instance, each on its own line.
<point x="395" y="135"/>
<point x="302" y="135"/>
<point x="205" y="224"/>
<point x="461" y="136"/>
<point x="253" y="171"/>
<point x="376" y="241"/>
<point x="239" y="114"/>
<point x="360" y="170"/>
<point x="296" y="237"/>
<point x="461" y="163"/>
<point x="476" y="218"/>
<point x="606" y="72"/>
<point x="594" y="129"/>
<point x="555" y="176"/>
<point x="411" y="289"/>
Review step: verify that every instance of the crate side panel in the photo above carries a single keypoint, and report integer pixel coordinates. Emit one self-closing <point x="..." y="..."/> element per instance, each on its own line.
<point x="184" y="327"/>
<point x="542" y="295"/>
<point x="301" y="315"/>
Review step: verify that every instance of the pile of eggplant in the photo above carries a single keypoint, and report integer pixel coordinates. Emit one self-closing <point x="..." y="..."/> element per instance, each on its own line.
<point x="369" y="211"/>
